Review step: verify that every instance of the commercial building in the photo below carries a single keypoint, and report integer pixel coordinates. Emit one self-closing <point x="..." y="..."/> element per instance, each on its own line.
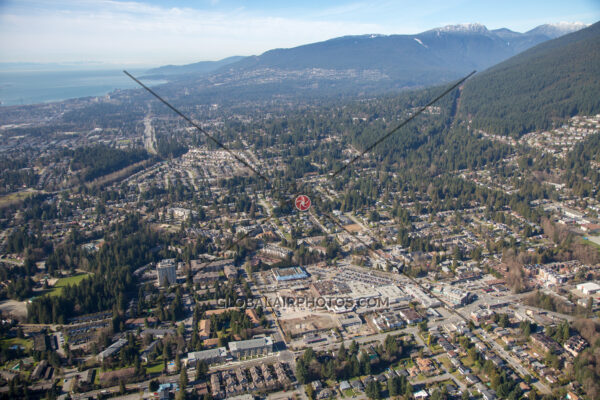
<point x="453" y="296"/>
<point x="410" y="316"/>
<point x="252" y="347"/>
<point x="589" y="288"/>
<point x="388" y="321"/>
<point x="166" y="272"/>
<point x="289" y="274"/>
<point x="349" y="320"/>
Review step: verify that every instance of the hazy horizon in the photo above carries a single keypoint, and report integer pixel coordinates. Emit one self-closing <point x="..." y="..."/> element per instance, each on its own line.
<point x="147" y="33"/>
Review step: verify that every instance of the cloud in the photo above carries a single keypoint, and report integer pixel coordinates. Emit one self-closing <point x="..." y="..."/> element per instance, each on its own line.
<point x="126" y="32"/>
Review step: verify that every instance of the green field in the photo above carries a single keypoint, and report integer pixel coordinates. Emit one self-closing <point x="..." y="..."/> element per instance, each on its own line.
<point x="157" y="367"/>
<point x="14" y="198"/>
<point x="593" y="240"/>
<point x="6" y="343"/>
<point x="62" y="282"/>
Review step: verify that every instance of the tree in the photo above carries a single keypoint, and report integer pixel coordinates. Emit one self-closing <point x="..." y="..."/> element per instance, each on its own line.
<point x="439" y="395"/>
<point x="341" y="355"/>
<point x="373" y="390"/>
<point x="393" y="386"/>
<point x="473" y="355"/>
<point x="391" y="346"/>
<point x="153" y="386"/>
<point x="201" y="370"/>
<point x="328" y="370"/>
<point x="365" y="363"/>
<point x="354" y="366"/>
<point x="183" y="378"/>
<point x="525" y="327"/>
<point x="301" y="371"/>
<point x="503" y="320"/>
<point x="308" y="356"/>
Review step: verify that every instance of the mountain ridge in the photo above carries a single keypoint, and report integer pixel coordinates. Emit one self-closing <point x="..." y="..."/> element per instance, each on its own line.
<point x="360" y="64"/>
<point x="537" y="88"/>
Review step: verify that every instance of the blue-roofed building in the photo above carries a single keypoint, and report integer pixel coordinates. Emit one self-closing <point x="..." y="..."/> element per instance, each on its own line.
<point x="289" y="274"/>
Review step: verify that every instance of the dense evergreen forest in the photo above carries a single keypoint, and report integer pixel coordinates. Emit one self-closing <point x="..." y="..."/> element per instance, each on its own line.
<point x="539" y="87"/>
<point x="129" y="246"/>
<point x="98" y="160"/>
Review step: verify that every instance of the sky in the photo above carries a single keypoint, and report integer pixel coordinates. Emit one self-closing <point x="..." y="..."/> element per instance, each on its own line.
<point x="152" y="32"/>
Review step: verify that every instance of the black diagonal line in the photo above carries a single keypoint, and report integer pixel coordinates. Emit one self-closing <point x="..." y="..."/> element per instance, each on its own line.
<point x="331" y="218"/>
<point x="200" y="129"/>
<point x="406" y="121"/>
<point x="374" y="251"/>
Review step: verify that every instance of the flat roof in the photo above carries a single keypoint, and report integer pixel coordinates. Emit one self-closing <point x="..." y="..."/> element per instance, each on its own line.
<point x="589" y="286"/>
<point x="250" y="344"/>
<point x="289" y="271"/>
<point x="208" y="354"/>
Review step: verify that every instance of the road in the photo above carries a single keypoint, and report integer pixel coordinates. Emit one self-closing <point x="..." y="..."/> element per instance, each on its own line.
<point x="513" y="362"/>
<point x="149" y="138"/>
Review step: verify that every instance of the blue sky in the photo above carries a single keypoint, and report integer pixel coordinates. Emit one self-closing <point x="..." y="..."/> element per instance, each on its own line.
<point x="155" y="32"/>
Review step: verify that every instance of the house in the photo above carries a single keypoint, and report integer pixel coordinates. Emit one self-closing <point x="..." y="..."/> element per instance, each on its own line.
<point x="204" y="329"/>
<point x="472" y="378"/>
<point x="325" y="394"/>
<point x="487" y="394"/>
<point x="425" y="365"/>
<point x="210" y="343"/>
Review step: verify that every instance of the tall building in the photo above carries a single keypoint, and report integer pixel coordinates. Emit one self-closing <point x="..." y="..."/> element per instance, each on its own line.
<point x="166" y="271"/>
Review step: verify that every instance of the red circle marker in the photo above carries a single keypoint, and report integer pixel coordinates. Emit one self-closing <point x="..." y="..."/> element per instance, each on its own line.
<point x="302" y="202"/>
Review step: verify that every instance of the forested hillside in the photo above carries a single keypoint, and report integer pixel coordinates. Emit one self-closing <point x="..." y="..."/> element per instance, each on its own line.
<point x="539" y="87"/>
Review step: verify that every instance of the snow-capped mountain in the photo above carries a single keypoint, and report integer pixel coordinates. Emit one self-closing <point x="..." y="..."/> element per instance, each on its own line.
<point x="557" y="29"/>
<point x="374" y="62"/>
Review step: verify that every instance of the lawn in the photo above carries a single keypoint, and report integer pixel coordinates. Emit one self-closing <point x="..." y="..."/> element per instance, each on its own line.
<point x="16" y="197"/>
<point x="62" y="282"/>
<point x="593" y="240"/>
<point x="446" y="361"/>
<point x="154" y="368"/>
<point x="6" y="343"/>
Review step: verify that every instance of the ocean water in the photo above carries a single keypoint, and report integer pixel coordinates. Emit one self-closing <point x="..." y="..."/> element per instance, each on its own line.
<point x="32" y="87"/>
